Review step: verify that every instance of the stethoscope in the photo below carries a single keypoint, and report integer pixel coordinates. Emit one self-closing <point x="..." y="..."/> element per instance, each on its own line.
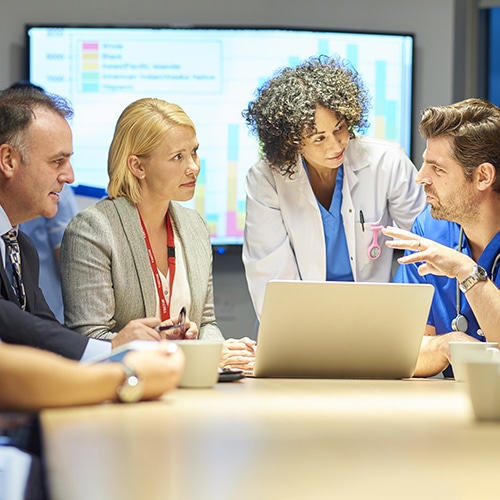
<point x="460" y="323"/>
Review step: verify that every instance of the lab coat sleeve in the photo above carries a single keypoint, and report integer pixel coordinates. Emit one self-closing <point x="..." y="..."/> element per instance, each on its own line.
<point x="267" y="253"/>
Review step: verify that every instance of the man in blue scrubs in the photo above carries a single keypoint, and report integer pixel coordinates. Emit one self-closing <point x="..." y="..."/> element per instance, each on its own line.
<point x="455" y="243"/>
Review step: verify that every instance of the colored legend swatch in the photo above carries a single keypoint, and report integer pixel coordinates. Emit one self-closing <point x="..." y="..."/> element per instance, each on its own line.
<point x="90" y="67"/>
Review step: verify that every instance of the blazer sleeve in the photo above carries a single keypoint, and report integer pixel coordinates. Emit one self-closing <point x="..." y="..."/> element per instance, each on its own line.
<point x="22" y="327"/>
<point x="37" y="326"/>
<point x="100" y="282"/>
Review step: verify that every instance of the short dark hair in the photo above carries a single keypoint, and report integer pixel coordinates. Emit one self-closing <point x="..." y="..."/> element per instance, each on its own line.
<point x="17" y="107"/>
<point x="473" y="126"/>
<point x="26" y="84"/>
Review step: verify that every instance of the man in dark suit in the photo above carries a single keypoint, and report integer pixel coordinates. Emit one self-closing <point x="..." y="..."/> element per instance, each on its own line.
<point x="35" y="151"/>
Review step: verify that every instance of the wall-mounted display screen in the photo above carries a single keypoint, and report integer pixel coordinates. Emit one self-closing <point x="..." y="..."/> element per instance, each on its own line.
<point x="212" y="73"/>
<point x="493" y="61"/>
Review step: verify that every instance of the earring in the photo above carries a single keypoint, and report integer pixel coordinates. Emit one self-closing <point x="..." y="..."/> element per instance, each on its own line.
<point x="142" y="176"/>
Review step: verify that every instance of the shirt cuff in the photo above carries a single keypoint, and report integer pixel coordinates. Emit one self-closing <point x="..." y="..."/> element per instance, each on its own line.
<point x="96" y="347"/>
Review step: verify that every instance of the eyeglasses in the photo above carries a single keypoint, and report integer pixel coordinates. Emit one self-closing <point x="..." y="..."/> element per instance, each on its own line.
<point x="181" y="323"/>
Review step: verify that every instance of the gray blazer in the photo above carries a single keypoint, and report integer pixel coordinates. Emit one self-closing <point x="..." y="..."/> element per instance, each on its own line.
<point x="106" y="274"/>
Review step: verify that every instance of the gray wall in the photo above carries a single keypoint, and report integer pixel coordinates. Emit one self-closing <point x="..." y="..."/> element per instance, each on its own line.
<point x="440" y="70"/>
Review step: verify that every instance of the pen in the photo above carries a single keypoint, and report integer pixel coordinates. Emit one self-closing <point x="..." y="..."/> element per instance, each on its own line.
<point x="181" y="323"/>
<point x="362" y="220"/>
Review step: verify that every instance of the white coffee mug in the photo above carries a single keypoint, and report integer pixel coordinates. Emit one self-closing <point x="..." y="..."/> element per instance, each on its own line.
<point x="483" y="384"/>
<point x="201" y="368"/>
<point x="461" y="352"/>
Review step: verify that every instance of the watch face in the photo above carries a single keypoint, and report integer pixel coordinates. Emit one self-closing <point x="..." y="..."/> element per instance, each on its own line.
<point x="478" y="274"/>
<point x="131" y="390"/>
<point x="481" y="273"/>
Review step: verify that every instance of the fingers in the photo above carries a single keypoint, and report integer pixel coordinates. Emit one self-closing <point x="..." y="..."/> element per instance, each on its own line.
<point x="149" y="322"/>
<point x="164" y="325"/>
<point x="249" y="342"/>
<point x="415" y="245"/>
<point x="191" y="331"/>
<point x="238" y="354"/>
<point x="191" y="334"/>
<point x="173" y="331"/>
<point x="135" y="330"/>
<point x="243" y="343"/>
<point x="173" y="334"/>
<point x="394" y="232"/>
<point x="405" y="240"/>
<point x="238" y="362"/>
<point x="178" y="334"/>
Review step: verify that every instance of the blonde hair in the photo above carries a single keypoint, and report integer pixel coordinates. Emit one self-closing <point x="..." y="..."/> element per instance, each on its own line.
<point x="140" y="129"/>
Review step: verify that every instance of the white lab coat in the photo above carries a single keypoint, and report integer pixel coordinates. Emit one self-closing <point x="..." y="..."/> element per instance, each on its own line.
<point x="284" y="236"/>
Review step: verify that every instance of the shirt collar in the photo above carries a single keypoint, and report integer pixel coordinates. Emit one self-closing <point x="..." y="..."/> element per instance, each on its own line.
<point x="5" y="224"/>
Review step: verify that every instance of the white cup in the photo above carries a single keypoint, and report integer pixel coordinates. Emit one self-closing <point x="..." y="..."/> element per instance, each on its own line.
<point x="483" y="384"/>
<point x="201" y="368"/>
<point x="461" y="352"/>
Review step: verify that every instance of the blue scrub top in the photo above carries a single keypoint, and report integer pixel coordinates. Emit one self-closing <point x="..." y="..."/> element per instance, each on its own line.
<point x="443" y="308"/>
<point x="338" y="263"/>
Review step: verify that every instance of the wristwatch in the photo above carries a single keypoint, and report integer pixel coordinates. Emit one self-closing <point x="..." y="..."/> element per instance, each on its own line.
<point x="132" y="389"/>
<point x="478" y="274"/>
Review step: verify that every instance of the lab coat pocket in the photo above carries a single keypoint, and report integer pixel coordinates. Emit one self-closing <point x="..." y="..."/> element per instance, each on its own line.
<point x="371" y="241"/>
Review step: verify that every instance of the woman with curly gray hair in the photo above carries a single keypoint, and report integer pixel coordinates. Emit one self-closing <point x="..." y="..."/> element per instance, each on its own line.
<point x="319" y="195"/>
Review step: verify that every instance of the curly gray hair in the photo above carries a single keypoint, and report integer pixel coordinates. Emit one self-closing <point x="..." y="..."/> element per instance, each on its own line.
<point x="283" y="110"/>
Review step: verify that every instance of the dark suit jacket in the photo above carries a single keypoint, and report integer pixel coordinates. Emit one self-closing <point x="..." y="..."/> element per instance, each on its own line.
<point x="37" y="326"/>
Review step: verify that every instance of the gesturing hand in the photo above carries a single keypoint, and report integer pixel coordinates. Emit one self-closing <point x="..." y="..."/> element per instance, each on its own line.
<point x="436" y="258"/>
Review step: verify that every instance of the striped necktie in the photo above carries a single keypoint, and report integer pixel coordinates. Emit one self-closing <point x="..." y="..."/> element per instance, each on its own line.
<point x="14" y="253"/>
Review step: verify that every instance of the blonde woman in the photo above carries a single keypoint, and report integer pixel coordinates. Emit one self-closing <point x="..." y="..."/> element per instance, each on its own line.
<point x="139" y="253"/>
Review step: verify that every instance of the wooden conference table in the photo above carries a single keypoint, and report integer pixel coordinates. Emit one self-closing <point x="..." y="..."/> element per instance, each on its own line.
<point x="278" y="439"/>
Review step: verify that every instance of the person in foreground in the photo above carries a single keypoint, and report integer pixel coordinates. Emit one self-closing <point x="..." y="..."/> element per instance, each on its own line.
<point x="455" y="243"/>
<point x="320" y="194"/>
<point x="34" y="379"/>
<point x="35" y="150"/>
<point x="139" y="252"/>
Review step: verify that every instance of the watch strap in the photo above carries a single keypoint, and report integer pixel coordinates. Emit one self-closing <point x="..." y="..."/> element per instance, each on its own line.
<point x="478" y="274"/>
<point x="131" y="389"/>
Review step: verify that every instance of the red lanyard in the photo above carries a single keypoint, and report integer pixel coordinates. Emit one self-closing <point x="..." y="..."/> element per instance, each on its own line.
<point x="164" y="305"/>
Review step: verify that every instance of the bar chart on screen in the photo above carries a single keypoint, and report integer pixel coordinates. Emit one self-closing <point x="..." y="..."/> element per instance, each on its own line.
<point x="212" y="73"/>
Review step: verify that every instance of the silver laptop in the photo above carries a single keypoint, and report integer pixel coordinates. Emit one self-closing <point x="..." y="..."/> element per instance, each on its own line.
<point x="341" y="330"/>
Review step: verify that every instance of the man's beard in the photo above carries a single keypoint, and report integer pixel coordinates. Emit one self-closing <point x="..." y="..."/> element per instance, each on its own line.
<point x="462" y="208"/>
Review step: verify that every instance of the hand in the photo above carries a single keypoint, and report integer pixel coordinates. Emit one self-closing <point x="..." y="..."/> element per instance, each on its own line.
<point x="176" y="332"/>
<point x="434" y="354"/>
<point x="159" y="369"/>
<point x="238" y="354"/>
<point x="137" y="329"/>
<point x="436" y="258"/>
<point x="191" y="331"/>
<point x="454" y="337"/>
